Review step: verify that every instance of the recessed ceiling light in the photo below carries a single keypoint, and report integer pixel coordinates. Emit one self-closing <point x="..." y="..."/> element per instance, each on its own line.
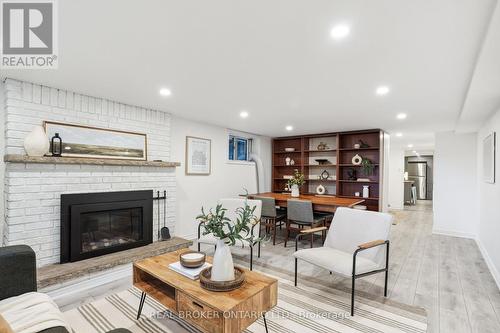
<point x="401" y="116"/>
<point x="340" y="31"/>
<point x="382" y="90"/>
<point x="410" y="146"/>
<point x="399" y="134"/>
<point x="414" y="152"/>
<point x="165" y="92"/>
<point x="244" y="114"/>
<point x="289" y="128"/>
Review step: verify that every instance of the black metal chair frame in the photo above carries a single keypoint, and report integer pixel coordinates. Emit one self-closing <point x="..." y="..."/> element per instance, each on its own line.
<point x="354" y="275"/>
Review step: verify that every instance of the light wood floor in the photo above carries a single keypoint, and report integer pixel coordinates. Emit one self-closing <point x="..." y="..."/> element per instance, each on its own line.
<point x="445" y="275"/>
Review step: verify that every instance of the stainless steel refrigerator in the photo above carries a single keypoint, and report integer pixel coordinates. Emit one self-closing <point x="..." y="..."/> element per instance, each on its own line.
<point x="417" y="172"/>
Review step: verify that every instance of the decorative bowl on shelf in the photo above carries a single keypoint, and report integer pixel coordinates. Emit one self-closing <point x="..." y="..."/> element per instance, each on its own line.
<point x="207" y="283"/>
<point x="289" y="149"/>
<point x="322" y="161"/>
<point x="192" y="259"/>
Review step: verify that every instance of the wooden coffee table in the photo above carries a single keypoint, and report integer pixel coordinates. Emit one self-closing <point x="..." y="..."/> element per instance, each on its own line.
<point x="209" y="311"/>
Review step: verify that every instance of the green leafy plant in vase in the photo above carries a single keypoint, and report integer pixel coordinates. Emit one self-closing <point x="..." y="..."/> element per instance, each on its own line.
<point x="295" y="182"/>
<point x="228" y="232"/>
<point x="367" y="167"/>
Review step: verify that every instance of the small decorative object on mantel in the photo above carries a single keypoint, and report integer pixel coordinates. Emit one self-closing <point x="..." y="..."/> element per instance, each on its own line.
<point x="320" y="189"/>
<point x="351" y="174"/>
<point x="227" y="232"/>
<point x="322" y="146"/>
<point x="356" y="160"/>
<point x="356" y="194"/>
<point x="56" y="145"/>
<point x="324" y="175"/>
<point x="366" y="191"/>
<point x="192" y="259"/>
<point x="363" y="144"/>
<point x="292" y="162"/>
<point x="287" y="160"/>
<point x="207" y="282"/>
<point x="36" y="142"/>
<point x="289" y="149"/>
<point x="297" y="181"/>
<point x="357" y="146"/>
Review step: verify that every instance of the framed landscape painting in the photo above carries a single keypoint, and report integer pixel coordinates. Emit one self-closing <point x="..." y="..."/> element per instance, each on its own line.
<point x="489" y="164"/>
<point x="198" y="156"/>
<point x="94" y="142"/>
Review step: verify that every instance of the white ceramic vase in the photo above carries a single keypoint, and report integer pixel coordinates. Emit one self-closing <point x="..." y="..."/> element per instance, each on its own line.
<point x="295" y="191"/>
<point x="36" y="142"/>
<point x="222" y="265"/>
<point x="366" y="191"/>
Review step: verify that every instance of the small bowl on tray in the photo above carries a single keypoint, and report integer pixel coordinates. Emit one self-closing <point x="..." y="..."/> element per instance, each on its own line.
<point x="192" y="259"/>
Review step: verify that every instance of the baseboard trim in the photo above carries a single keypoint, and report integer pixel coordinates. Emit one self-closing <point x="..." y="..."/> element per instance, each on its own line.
<point x="493" y="270"/>
<point x="91" y="282"/>
<point x="452" y="233"/>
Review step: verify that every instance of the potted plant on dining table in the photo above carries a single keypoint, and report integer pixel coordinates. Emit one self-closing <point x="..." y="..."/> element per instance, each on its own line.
<point x="295" y="182"/>
<point x="228" y="232"/>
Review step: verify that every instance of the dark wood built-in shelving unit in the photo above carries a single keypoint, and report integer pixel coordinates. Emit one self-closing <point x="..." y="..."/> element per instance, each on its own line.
<point x="339" y="153"/>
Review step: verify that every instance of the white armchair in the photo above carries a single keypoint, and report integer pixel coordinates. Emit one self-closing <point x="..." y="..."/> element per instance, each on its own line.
<point x="353" y="247"/>
<point x="232" y="204"/>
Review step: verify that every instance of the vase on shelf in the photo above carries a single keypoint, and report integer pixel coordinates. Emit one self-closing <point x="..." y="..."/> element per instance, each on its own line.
<point x="295" y="191"/>
<point x="222" y="265"/>
<point x="366" y="191"/>
<point x="36" y="142"/>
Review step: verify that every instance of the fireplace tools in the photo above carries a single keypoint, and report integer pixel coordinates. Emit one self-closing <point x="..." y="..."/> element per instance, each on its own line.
<point x="163" y="232"/>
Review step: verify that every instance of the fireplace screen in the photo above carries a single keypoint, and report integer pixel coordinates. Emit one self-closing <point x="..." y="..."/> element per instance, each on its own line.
<point x="110" y="228"/>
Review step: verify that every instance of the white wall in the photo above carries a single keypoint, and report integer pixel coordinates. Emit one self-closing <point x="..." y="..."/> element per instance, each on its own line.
<point x="489" y="202"/>
<point x="226" y="179"/>
<point x="395" y="178"/>
<point x="2" y="164"/>
<point x="455" y="184"/>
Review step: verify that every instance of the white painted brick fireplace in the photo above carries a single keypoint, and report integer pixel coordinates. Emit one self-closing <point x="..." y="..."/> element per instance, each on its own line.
<point x="32" y="191"/>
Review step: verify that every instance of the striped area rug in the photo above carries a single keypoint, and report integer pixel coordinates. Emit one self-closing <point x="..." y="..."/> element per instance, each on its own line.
<point x="303" y="309"/>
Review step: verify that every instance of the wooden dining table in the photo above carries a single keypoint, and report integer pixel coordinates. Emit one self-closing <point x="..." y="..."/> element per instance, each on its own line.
<point x="321" y="203"/>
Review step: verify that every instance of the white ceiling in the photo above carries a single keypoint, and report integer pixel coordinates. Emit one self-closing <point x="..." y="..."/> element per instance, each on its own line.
<point x="275" y="59"/>
<point x="483" y="97"/>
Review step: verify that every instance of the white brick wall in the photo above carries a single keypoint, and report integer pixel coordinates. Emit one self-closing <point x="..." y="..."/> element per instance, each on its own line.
<point x="32" y="191"/>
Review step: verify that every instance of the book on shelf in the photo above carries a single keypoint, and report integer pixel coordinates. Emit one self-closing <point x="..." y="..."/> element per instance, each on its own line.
<point x="192" y="273"/>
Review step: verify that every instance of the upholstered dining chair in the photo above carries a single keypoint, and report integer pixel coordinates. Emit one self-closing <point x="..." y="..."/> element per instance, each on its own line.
<point x="271" y="216"/>
<point x="300" y="214"/>
<point x="232" y="205"/>
<point x="357" y="245"/>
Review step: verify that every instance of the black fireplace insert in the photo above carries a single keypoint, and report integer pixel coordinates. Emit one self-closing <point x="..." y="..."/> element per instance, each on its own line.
<point x="93" y="224"/>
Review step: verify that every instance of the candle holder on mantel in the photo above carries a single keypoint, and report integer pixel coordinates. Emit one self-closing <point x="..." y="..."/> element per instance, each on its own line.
<point x="56" y="145"/>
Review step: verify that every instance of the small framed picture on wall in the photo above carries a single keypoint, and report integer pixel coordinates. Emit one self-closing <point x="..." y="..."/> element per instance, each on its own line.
<point x="489" y="147"/>
<point x="198" y="156"/>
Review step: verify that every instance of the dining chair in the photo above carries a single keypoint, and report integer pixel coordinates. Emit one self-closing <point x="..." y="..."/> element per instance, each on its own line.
<point x="301" y="214"/>
<point x="232" y="205"/>
<point x="271" y="217"/>
<point x="356" y="246"/>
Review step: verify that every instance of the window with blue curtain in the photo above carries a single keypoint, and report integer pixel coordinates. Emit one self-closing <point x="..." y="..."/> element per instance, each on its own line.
<point x="239" y="148"/>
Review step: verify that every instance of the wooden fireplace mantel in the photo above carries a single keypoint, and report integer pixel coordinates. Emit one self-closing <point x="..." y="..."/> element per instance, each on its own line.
<point x="17" y="158"/>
